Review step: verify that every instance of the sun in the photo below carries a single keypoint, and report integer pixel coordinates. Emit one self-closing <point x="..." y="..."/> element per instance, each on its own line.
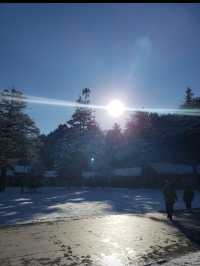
<point x="115" y="108"/>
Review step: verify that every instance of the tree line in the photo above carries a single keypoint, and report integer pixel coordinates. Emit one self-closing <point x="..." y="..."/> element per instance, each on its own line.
<point x="80" y="144"/>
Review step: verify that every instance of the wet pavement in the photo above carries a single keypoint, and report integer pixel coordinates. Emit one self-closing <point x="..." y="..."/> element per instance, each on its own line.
<point x="113" y="240"/>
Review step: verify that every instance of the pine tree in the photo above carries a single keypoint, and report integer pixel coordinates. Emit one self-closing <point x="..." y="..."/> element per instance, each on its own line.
<point x="114" y="141"/>
<point x="189" y="100"/>
<point x="83" y="119"/>
<point x="188" y="97"/>
<point x="73" y="150"/>
<point x="18" y="134"/>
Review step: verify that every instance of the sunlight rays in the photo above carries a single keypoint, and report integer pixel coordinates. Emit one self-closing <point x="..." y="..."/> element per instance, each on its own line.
<point x="55" y="102"/>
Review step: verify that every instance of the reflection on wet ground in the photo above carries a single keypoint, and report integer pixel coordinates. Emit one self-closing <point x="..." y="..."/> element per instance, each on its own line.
<point x="114" y="240"/>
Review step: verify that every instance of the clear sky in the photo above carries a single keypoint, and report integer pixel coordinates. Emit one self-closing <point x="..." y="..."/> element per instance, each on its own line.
<point x="143" y="54"/>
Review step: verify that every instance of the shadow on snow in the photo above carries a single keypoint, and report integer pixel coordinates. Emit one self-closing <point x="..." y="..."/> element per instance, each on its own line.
<point x="53" y="203"/>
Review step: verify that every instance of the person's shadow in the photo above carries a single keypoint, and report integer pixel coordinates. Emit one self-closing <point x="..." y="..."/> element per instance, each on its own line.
<point x="189" y="224"/>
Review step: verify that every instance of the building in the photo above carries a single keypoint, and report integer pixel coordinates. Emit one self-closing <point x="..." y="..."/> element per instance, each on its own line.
<point x="17" y="172"/>
<point x="179" y="174"/>
<point x="149" y="175"/>
<point x="50" y="177"/>
<point x="115" y="177"/>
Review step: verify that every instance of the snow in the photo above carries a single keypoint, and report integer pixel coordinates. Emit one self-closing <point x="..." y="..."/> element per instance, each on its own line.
<point x="51" y="203"/>
<point x="192" y="259"/>
<point x="160" y="168"/>
<point x="18" y="169"/>
<point x="50" y="173"/>
<point x="169" y="168"/>
<point x="59" y="203"/>
<point x="136" y="171"/>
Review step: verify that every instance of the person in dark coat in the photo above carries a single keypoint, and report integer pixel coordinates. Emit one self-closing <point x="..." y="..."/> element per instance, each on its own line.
<point x="170" y="198"/>
<point x="188" y="196"/>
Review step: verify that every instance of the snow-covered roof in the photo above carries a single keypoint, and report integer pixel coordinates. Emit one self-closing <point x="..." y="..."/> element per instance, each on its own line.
<point x="88" y="174"/>
<point x="135" y="171"/>
<point x="18" y="169"/>
<point x="50" y="173"/>
<point x="169" y="168"/>
<point x="21" y="168"/>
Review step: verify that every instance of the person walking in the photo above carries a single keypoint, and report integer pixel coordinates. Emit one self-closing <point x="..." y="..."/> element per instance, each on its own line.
<point x="188" y="196"/>
<point x="170" y="198"/>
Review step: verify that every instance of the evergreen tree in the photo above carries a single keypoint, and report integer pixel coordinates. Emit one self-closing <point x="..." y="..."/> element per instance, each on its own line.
<point x="190" y="101"/>
<point x="188" y="96"/>
<point x="73" y="150"/>
<point x="18" y="134"/>
<point x="113" y="148"/>
<point x="83" y="118"/>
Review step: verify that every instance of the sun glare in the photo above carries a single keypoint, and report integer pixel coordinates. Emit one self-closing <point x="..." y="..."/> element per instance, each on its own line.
<point x="115" y="108"/>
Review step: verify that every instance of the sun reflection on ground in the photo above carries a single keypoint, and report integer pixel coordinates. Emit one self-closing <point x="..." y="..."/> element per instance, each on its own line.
<point x="111" y="260"/>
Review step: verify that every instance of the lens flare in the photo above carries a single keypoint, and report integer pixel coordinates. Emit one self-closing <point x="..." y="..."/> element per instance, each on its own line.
<point x="48" y="101"/>
<point x="115" y="108"/>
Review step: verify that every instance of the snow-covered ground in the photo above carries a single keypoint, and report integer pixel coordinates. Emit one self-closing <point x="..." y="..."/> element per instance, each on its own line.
<point x="96" y="234"/>
<point x="59" y="203"/>
<point x="192" y="259"/>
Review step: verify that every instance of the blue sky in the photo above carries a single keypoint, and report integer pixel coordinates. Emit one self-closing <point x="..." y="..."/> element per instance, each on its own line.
<point x="143" y="54"/>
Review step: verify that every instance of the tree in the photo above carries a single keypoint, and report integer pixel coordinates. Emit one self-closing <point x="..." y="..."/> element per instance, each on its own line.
<point x="113" y="141"/>
<point x="190" y="146"/>
<point x="151" y="137"/>
<point x="53" y="143"/>
<point x="83" y="119"/>
<point x="188" y="96"/>
<point x="73" y="149"/>
<point x="190" y="101"/>
<point x="18" y="135"/>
